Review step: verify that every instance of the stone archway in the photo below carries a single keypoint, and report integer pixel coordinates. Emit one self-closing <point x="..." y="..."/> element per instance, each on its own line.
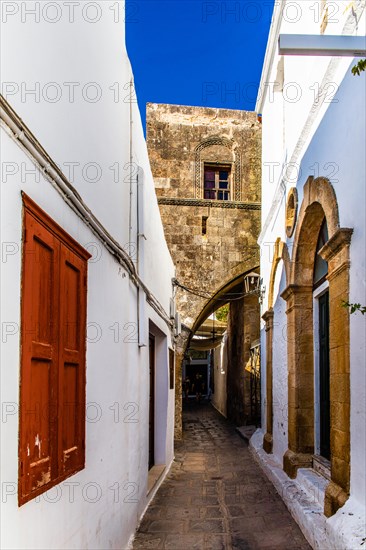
<point x="280" y="253"/>
<point x="200" y="310"/>
<point x="319" y="202"/>
<point x="211" y="240"/>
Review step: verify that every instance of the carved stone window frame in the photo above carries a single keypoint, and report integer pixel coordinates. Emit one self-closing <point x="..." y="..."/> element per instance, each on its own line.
<point x="235" y="172"/>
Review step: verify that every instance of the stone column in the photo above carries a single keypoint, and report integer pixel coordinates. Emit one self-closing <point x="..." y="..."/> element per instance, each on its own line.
<point x="268" y="437"/>
<point x="251" y="334"/>
<point x="243" y="329"/>
<point x="235" y="367"/>
<point x="180" y="348"/>
<point x="337" y="252"/>
<point x="300" y="378"/>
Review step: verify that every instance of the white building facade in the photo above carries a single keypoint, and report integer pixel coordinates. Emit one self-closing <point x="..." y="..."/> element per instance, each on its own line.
<point x="312" y="443"/>
<point x="87" y="365"/>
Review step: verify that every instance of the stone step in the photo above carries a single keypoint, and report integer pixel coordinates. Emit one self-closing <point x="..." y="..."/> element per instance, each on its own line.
<point x="313" y="484"/>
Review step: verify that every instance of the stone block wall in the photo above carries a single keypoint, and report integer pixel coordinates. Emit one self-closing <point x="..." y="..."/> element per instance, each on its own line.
<point x="212" y="242"/>
<point x="180" y="140"/>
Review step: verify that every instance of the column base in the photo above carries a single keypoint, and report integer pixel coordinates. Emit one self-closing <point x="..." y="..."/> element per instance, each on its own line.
<point x="268" y="443"/>
<point x="334" y="499"/>
<point x="293" y="461"/>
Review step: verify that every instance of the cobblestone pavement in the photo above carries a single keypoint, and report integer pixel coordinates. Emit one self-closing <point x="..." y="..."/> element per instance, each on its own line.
<point x="215" y="496"/>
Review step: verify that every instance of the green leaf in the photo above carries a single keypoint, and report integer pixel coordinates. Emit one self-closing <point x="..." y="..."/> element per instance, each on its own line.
<point x="354" y="307"/>
<point x="359" y="67"/>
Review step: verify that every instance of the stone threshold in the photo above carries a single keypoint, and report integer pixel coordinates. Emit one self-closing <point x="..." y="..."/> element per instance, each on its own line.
<point x="304" y="498"/>
<point x="154" y="475"/>
<point x="322" y="466"/>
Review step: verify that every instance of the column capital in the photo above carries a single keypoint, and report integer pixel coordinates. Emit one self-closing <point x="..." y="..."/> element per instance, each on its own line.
<point x="293" y="289"/>
<point x="268" y="317"/>
<point x="340" y="239"/>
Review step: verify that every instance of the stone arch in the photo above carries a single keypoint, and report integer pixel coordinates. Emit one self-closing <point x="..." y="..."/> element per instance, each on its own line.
<point x="205" y="307"/>
<point x="280" y="253"/>
<point x="291" y="211"/>
<point x="201" y="308"/>
<point x="319" y="202"/>
<point x="198" y="177"/>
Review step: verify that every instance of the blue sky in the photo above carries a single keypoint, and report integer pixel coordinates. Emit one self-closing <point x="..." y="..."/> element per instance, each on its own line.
<point x="197" y="52"/>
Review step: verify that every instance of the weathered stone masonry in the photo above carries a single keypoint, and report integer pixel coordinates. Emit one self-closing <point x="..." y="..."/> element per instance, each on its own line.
<point x="180" y="141"/>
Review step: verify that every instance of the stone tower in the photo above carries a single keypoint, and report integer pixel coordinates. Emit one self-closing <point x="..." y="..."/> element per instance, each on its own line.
<point x="207" y="171"/>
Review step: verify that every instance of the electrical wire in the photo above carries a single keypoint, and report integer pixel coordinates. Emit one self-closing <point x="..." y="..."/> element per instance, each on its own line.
<point x="226" y="298"/>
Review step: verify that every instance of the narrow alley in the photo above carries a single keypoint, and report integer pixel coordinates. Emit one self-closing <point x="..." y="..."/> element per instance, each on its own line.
<point x="216" y="496"/>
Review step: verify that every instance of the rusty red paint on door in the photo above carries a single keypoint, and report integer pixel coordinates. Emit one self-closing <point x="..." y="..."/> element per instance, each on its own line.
<point x="52" y="381"/>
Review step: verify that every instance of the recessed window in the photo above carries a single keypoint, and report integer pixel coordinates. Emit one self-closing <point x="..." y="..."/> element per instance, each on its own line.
<point x="217" y="182"/>
<point x="171" y="369"/>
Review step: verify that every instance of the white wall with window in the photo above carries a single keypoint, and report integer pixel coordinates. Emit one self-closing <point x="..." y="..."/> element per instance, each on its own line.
<point x="82" y="159"/>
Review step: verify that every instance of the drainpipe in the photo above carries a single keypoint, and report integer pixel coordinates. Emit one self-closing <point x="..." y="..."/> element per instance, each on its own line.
<point x="141" y="238"/>
<point x="130" y="248"/>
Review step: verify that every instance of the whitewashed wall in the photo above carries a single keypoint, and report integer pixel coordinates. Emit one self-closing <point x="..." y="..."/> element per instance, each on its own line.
<point x="88" y="122"/>
<point x="321" y="140"/>
<point x="103" y="507"/>
<point x="279" y="368"/>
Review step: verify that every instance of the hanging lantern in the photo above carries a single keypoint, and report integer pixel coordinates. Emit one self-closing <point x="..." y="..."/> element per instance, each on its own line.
<point x="253" y="284"/>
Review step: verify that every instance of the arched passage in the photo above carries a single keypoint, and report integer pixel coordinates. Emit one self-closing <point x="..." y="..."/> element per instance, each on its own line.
<point x="212" y="236"/>
<point x="244" y="325"/>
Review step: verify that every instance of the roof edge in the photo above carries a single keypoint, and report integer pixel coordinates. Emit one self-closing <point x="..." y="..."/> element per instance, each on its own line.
<point x="270" y="53"/>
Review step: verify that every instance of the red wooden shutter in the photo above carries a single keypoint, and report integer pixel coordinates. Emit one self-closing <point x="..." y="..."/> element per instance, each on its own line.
<point x="71" y="433"/>
<point x="38" y="385"/>
<point x="53" y="332"/>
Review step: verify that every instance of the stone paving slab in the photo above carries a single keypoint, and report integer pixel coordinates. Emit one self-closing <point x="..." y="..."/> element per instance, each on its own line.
<point x="215" y="496"/>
